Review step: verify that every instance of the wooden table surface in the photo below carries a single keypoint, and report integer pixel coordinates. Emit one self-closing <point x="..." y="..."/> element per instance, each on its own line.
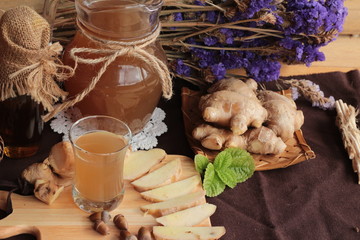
<point x="32" y="216"/>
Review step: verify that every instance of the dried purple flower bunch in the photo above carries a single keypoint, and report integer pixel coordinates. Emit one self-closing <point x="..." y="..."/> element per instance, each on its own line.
<point x="204" y="38"/>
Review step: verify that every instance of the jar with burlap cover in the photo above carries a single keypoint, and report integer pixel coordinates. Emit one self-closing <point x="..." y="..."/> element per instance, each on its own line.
<point x="29" y="63"/>
<point x="30" y="69"/>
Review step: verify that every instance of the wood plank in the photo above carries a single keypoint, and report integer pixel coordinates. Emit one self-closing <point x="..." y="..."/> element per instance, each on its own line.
<point x="341" y="55"/>
<point x="36" y="4"/>
<point x="63" y="220"/>
<point x="351" y="25"/>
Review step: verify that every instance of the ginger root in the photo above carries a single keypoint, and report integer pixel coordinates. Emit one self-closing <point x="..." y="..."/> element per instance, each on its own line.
<point x="37" y="171"/>
<point x="283" y="117"/>
<point x="231" y="109"/>
<point x="247" y="88"/>
<point x="233" y="103"/>
<point x="53" y="174"/>
<point x="259" y="140"/>
<point x="47" y="191"/>
<point x="61" y="159"/>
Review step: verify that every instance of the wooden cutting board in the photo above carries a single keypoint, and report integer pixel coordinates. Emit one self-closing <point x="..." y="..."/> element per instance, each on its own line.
<point x="63" y="220"/>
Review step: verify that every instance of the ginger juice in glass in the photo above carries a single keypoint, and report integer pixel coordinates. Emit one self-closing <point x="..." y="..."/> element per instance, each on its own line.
<point x="100" y="144"/>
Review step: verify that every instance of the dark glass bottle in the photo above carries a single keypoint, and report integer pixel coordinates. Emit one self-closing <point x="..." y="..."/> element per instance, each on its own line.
<point x="21" y="126"/>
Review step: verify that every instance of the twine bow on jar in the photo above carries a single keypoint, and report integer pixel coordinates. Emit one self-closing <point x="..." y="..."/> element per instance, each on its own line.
<point x="47" y="65"/>
<point x="111" y="51"/>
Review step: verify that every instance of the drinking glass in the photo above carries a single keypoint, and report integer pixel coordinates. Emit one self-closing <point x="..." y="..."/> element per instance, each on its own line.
<point x="100" y="144"/>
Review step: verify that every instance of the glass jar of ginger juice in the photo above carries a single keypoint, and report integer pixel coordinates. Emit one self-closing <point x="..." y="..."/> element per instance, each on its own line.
<point x="129" y="89"/>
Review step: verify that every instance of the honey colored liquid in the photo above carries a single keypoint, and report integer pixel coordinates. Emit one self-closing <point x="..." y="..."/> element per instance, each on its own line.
<point x="21" y="126"/>
<point x="128" y="90"/>
<point x="99" y="170"/>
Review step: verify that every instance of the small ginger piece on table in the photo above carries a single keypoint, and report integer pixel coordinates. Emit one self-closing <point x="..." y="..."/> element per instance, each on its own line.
<point x="258" y="140"/>
<point x="283" y="117"/>
<point x="47" y="187"/>
<point x="53" y="174"/>
<point x="47" y="191"/>
<point x="61" y="159"/>
<point x="37" y="171"/>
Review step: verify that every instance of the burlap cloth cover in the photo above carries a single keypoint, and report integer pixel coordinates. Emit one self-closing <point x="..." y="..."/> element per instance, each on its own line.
<point x="28" y="63"/>
<point x="297" y="149"/>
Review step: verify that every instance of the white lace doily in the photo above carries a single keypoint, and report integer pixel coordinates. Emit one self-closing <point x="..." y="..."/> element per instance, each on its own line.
<point x="146" y="139"/>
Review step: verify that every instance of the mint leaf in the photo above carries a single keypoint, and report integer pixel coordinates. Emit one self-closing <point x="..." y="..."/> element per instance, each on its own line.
<point x="242" y="163"/>
<point x="237" y="153"/>
<point x="201" y="163"/>
<point x="222" y="164"/>
<point x="212" y="183"/>
<point x="223" y="160"/>
<point x="227" y="176"/>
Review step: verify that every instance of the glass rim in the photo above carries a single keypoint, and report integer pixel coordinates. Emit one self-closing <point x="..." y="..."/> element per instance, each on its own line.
<point x="132" y="4"/>
<point x="99" y="116"/>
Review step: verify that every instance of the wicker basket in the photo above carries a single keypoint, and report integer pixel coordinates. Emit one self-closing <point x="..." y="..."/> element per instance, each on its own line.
<point x="297" y="149"/>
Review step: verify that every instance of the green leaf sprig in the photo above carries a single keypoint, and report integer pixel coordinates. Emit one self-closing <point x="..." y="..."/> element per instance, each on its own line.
<point x="230" y="167"/>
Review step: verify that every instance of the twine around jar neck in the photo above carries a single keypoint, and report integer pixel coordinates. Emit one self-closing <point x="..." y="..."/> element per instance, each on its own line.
<point x="112" y="50"/>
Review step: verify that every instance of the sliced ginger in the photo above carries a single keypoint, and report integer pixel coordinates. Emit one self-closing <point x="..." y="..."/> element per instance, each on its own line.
<point x="172" y="190"/>
<point x="188" y="217"/>
<point x="168" y="173"/>
<point x="188" y="233"/>
<point x="175" y="204"/>
<point x="138" y="163"/>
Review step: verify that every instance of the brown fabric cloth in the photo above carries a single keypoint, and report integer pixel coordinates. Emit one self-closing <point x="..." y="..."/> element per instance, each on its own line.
<point x="314" y="200"/>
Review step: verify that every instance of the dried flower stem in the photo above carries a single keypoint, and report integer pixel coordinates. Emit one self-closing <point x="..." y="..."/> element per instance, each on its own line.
<point x="214" y="28"/>
<point x="174" y="34"/>
<point x="264" y="49"/>
<point x="225" y="25"/>
<point x="312" y="93"/>
<point x="215" y="6"/>
<point x="346" y="121"/>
